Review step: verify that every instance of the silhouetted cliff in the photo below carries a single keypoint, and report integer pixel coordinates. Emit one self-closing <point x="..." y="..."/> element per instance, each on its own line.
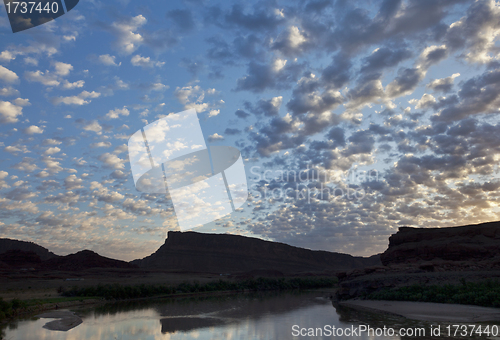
<point x="224" y="253"/>
<point x="466" y="243"/>
<point x="7" y="244"/>
<point x="82" y="260"/>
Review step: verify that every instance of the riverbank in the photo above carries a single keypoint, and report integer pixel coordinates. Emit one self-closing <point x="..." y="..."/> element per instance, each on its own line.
<point x="77" y="296"/>
<point x="427" y="311"/>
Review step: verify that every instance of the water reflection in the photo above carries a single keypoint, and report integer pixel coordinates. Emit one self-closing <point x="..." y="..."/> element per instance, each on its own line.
<point x="249" y="316"/>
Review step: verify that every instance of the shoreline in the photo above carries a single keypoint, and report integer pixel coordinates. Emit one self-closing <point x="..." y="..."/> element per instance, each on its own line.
<point x="51" y="306"/>
<point x="427" y="311"/>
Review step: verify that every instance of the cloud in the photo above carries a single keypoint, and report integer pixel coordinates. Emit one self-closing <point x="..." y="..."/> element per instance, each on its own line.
<point x="193" y="98"/>
<point x="22" y="102"/>
<point x="268" y="107"/>
<point x="52" y="150"/>
<point x="66" y="85"/>
<point x="137" y="60"/>
<point x="478" y="95"/>
<point x="306" y="97"/>
<point x="276" y="75"/>
<point x="33" y="129"/>
<point x="130" y="35"/>
<point x="8" y="92"/>
<point x="9" y="112"/>
<point x="108" y="60"/>
<point x="63" y="69"/>
<point x="213" y="113"/>
<point x="425" y="102"/>
<point x="7" y="56"/>
<point x="128" y="40"/>
<point x="26" y="165"/>
<point x="47" y="78"/>
<point x="79" y="99"/>
<point x="263" y="18"/>
<point x="384" y="57"/>
<point x="93" y="126"/>
<point x="112" y="161"/>
<point x="72" y="182"/>
<point x="215" y="137"/>
<point x="7" y="75"/>
<point x="116" y="113"/>
<point x="100" y="145"/>
<point x="476" y="32"/>
<point x="291" y="42"/>
<point x="183" y="19"/>
<point x="444" y="84"/>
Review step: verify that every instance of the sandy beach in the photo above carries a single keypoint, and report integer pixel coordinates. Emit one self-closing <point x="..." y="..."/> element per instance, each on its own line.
<point x="428" y="311"/>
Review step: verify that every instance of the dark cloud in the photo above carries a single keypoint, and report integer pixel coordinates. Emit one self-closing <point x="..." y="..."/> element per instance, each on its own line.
<point x="306" y="97"/>
<point x="384" y="57"/>
<point x="262" y="18"/>
<point x="266" y="107"/>
<point x="274" y="75"/>
<point x="241" y="114"/>
<point x="231" y="131"/>
<point x="478" y="95"/>
<point x="183" y="19"/>
<point x="338" y="73"/>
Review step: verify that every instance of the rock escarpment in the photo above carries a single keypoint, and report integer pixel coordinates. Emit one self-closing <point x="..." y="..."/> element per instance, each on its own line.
<point x="466" y="243"/>
<point x="224" y="253"/>
<point x="430" y="256"/>
<point x="7" y="244"/>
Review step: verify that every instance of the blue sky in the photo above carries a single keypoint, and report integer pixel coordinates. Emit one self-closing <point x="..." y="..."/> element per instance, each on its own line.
<point x="394" y="101"/>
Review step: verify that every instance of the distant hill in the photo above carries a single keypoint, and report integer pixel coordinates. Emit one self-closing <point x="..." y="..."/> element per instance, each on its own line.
<point x="20" y="258"/>
<point x="465" y="243"/>
<point x="7" y="244"/>
<point x="224" y="253"/>
<point x="82" y="260"/>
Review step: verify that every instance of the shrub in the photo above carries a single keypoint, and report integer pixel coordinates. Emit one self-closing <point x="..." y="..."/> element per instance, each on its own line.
<point x="483" y="293"/>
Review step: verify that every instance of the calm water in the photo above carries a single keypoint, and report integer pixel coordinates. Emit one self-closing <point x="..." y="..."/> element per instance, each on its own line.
<point x="253" y="316"/>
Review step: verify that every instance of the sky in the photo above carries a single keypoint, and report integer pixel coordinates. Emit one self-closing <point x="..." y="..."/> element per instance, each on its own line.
<point x="353" y="118"/>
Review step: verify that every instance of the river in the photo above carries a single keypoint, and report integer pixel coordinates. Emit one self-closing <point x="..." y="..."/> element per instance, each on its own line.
<point x="288" y="315"/>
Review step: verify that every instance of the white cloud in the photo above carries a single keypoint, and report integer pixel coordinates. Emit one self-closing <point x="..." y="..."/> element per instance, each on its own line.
<point x="30" y="61"/>
<point x="8" y="75"/>
<point x="93" y="126"/>
<point x="12" y="149"/>
<point x="137" y="60"/>
<point x="52" y="164"/>
<point x="9" y="112"/>
<point x="25" y="165"/>
<point x="425" y="102"/>
<point x="76" y="100"/>
<point x="22" y="102"/>
<point x="215" y="137"/>
<point x="66" y="85"/>
<point x="33" y="129"/>
<point x="51" y="142"/>
<point x="72" y="182"/>
<point x="45" y="78"/>
<point x="7" y="56"/>
<point x="116" y="113"/>
<point x="192" y="97"/>
<point x="63" y="69"/>
<point x="108" y="60"/>
<point x="52" y="150"/>
<point x="100" y="145"/>
<point x="128" y="39"/>
<point x="213" y="113"/>
<point x="112" y="161"/>
<point x="8" y="92"/>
